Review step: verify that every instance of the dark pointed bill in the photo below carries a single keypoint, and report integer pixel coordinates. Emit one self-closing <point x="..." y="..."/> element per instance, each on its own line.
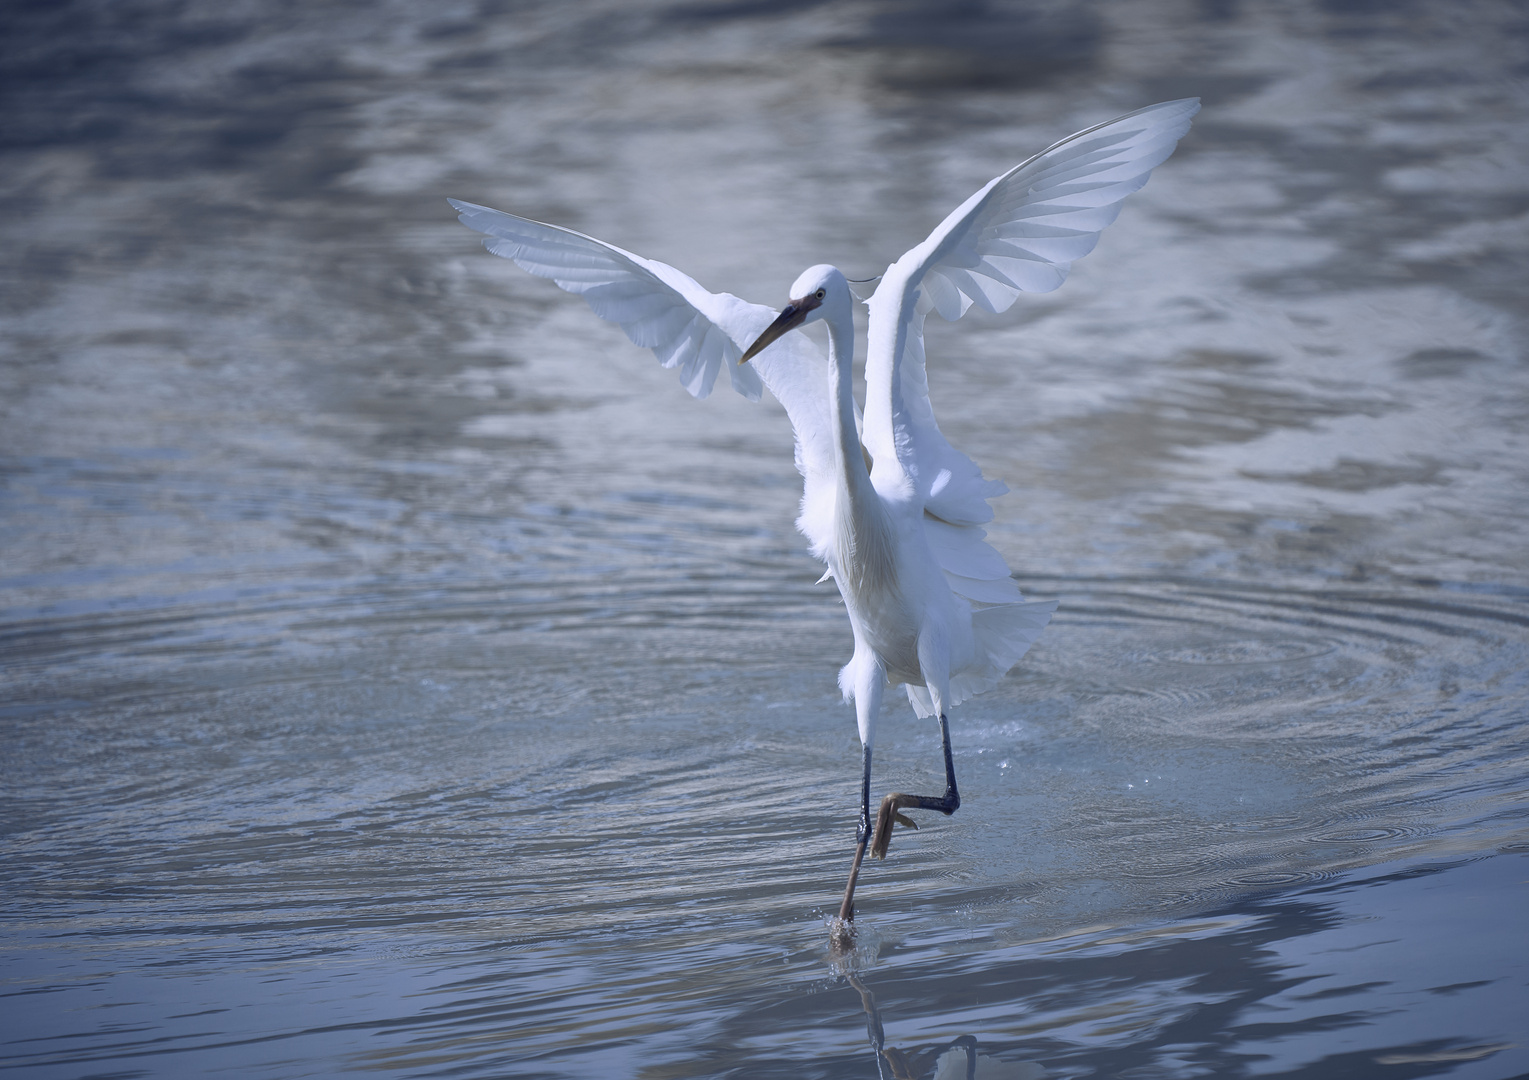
<point x="791" y="316"/>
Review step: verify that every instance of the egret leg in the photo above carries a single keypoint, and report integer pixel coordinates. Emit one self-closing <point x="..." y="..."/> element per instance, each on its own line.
<point x="862" y="837"/>
<point x="893" y="805"/>
<point x="869" y="679"/>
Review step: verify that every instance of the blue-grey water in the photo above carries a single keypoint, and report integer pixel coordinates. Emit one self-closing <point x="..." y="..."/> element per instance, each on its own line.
<point x="403" y="676"/>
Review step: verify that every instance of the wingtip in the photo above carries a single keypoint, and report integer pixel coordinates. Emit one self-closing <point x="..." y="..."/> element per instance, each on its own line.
<point x="1187" y="105"/>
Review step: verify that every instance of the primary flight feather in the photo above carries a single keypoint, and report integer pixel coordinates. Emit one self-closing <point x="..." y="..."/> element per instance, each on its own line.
<point x="892" y="509"/>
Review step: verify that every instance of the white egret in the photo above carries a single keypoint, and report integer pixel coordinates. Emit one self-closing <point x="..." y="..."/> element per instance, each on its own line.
<point x="888" y="504"/>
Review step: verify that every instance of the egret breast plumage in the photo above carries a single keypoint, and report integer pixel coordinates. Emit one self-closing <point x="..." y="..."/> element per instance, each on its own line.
<point x="888" y="504"/>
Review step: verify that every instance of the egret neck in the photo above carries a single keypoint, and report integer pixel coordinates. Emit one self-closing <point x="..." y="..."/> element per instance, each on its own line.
<point x="862" y="541"/>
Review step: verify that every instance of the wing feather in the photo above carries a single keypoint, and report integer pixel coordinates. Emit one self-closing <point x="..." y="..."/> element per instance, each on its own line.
<point x="1019" y="233"/>
<point x="690" y="329"/>
<point x="658" y="307"/>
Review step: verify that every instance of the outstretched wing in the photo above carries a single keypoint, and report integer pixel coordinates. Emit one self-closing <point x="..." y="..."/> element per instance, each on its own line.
<point x="658" y="307"/>
<point x="688" y="328"/>
<point x="1020" y="233"/>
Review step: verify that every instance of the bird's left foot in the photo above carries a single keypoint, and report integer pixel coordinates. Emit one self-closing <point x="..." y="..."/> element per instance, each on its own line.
<point x="890" y="814"/>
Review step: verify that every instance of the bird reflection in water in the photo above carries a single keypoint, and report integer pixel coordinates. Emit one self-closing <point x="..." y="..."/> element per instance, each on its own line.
<point x="955" y="1060"/>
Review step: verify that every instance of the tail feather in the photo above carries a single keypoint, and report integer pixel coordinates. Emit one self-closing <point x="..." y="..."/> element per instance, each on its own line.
<point x="1000" y="636"/>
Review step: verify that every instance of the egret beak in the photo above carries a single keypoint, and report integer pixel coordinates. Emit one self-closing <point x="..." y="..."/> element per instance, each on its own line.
<point x="791" y="316"/>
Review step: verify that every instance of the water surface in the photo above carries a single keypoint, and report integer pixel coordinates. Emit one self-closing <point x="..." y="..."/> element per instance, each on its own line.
<point x="403" y="675"/>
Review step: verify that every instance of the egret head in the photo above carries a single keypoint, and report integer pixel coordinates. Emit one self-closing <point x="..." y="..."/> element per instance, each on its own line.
<point x="819" y="292"/>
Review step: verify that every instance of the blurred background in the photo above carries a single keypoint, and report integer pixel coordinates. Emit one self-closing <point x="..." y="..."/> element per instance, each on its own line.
<point x="402" y="674"/>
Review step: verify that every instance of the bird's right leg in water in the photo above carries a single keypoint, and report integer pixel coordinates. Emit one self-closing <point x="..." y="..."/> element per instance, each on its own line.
<point x="869" y="681"/>
<point x="862" y="837"/>
<point x="893" y="805"/>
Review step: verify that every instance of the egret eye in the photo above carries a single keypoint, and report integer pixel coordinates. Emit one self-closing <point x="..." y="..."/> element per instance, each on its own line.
<point x="819" y="294"/>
